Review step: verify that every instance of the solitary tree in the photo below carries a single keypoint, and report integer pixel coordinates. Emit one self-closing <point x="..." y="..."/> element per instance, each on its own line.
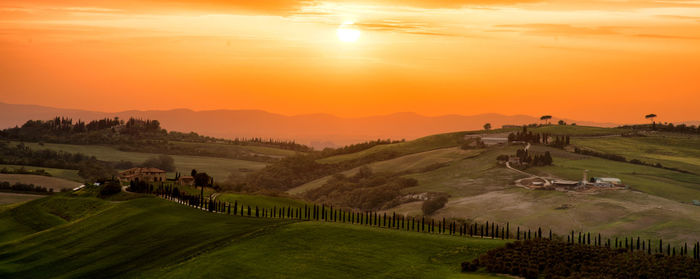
<point x="650" y="116"/>
<point x="487" y="126"/>
<point x="546" y="118"/>
<point x="562" y="123"/>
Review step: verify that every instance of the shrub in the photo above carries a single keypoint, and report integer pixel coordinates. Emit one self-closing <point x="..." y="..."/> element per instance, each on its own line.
<point x="110" y="188"/>
<point x="434" y="204"/>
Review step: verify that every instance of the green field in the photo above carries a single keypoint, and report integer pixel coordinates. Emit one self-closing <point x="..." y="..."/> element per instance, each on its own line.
<point x="577" y="131"/>
<point x="60" y="173"/>
<point x="219" y="168"/>
<point x="403" y="148"/>
<point x="49" y="182"/>
<point x="153" y="238"/>
<point x="671" y="150"/>
<point x="10" y="198"/>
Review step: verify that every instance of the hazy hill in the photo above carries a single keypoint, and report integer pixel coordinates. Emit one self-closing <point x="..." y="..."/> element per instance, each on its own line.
<point x="319" y="130"/>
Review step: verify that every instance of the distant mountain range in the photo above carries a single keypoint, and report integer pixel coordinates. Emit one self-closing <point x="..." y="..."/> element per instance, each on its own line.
<point x="318" y="130"/>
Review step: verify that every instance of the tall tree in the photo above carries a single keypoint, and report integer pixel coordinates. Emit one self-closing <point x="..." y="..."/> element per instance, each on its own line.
<point x="546" y="118"/>
<point x="651" y="117"/>
<point x="487" y="126"/>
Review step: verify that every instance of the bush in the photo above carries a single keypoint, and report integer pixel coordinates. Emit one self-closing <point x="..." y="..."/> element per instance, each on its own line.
<point x="110" y="188"/>
<point x="434" y="204"/>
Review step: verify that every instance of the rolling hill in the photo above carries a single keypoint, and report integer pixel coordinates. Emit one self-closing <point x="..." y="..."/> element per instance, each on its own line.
<point x="318" y="130"/>
<point x="657" y="205"/>
<point x="154" y="238"/>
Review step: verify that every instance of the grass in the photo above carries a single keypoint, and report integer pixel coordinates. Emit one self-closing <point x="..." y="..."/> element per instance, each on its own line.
<point x="404" y="148"/>
<point x="153" y="238"/>
<point x="670" y="150"/>
<point x="42" y="214"/>
<point x="60" y="173"/>
<point x="660" y="182"/>
<point x="12" y="198"/>
<point x="50" y="182"/>
<point x="412" y="162"/>
<point x="216" y="167"/>
<point x="260" y="200"/>
<point x="468" y="176"/>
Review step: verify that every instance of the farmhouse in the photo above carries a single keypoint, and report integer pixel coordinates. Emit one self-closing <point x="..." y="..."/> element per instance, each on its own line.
<point x="142" y="174"/>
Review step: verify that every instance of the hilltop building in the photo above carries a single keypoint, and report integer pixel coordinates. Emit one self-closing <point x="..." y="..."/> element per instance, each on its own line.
<point x="142" y="174"/>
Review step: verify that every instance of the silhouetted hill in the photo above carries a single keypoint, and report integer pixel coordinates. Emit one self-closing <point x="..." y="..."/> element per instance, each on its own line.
<point x="319" y="130"/>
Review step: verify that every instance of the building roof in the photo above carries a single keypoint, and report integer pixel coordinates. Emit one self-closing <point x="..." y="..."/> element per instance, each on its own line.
<point x="608" y="179"/>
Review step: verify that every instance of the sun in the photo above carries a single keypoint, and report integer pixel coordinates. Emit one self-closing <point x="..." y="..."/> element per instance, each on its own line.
<point x="347" y="34"/>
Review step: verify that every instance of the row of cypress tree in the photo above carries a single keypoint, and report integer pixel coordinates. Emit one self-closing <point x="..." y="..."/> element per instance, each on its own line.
<point x="415" y="224"/>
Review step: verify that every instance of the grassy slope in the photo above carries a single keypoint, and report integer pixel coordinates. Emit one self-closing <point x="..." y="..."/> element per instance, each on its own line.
<point x="217" y="167"/>
<point x="50" y="182"/>
<point x="10" y="198"/>
<point x="34" y="216"/>
<point x="60" y="173"/>
<point x="155" y="238"/>
<point x="259" y="200"/>
<point x="404" y="148"/>
<point x="671" y="150"/>
<point x="411" y="162"/>
<point x="577" y="130"/>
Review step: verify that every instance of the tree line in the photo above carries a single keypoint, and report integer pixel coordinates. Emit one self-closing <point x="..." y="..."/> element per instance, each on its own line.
<point x="23" y="187"/>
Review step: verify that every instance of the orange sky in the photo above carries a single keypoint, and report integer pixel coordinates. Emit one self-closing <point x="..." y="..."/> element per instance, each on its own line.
<point x="604" y="60"/>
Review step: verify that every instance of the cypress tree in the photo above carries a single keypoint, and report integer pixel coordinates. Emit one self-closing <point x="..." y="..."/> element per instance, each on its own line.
<point x="492" y="230"/>
<point x="528" y="234"/>
<point x="503" y="233"/>
<point x="517" y="236"/>
<point x="661" y="246"/>
<point x="384" y="225"/>
<point x="482" y="231"/>
<point x="496" y="232"/>
<point x="507" y="230"/>
<point x="422" y="224"/>
<point x="487" y="228"/>
<point x="256" y="211"/>
<point x="550" y="234"/>
<point x="249" y="212"/>
<point x="668" y="249"/>
<point x="539" y="233"/>
<point x="235" y="207"/>
<point x="589" y="238"/>
<point x="413" y="223"/>
<point x="638" y="240"/>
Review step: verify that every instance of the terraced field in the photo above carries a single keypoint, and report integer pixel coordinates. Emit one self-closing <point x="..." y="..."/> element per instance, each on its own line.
<point x="49" y="182"/>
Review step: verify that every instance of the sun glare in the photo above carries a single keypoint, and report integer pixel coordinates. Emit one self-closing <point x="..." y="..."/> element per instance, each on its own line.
<point x="347" y="34"/>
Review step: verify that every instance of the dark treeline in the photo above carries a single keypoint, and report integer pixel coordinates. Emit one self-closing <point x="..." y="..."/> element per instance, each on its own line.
<point x="21" y="187"/>
<point x="327" y="152"/>
<point x="545" y="258"/>
<point x="669" y="127"/>
<point x="129" y="134"/>
<point x="539" y="138"/>
<point x="620" y="158"/>
<point x="365" y="190"/>
<point x="22" y="170"/>
<point x="21" y="154"/>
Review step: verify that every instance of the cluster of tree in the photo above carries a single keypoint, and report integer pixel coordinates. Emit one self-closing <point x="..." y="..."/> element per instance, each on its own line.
<point x="22" y="170"/>
<point x="620" y="158"/>
<point x="366" y="190"/>
<point x="546" y="258"/>
<point x="525" y="156"/>
<point x="327" y="152"/>
<point x="536" y="138"/>
<point x="434" y="202"/>
<point x="668" y="127"/>
<point x="23" y="155"/>
<point x="132" y="134"/>
<point x="22" y="187"/>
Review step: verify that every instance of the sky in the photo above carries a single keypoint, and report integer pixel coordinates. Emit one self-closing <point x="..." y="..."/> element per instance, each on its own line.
<point x="600" y="60"/>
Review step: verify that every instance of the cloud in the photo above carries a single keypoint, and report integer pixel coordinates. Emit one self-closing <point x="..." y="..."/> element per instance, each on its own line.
<point x="556" y="29"/>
